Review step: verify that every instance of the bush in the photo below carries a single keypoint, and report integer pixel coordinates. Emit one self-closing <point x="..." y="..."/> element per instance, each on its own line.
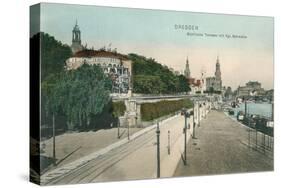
<point x="150" y="111"/>
<point x="118" y="108"/>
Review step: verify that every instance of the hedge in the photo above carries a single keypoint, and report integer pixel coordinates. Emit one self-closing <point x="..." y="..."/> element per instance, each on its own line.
<point x="118" y="108"/>
<point x="150" y="111"/>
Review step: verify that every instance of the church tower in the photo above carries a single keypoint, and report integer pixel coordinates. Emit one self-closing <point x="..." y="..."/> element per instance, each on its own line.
<point x="187" y="70"/>
<point x="218" y="69"/>
<point x="218" y="81"/>
<point x="76" y="39"/>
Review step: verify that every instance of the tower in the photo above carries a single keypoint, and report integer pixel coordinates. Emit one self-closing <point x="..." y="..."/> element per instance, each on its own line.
<point x="218" y="69"/>
<point x="76" y="39"/>
<point x="218" y="81"/>
<point x="187" y="70"/>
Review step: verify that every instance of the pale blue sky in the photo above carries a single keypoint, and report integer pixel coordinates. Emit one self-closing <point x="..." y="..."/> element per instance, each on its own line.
<point x="152" y="34"/>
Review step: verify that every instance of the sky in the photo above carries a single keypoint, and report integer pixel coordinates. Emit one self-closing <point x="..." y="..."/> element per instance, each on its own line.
<point x="152" y="33"/>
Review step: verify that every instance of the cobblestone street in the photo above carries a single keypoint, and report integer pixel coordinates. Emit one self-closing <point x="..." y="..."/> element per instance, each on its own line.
<point x="221" y="147"/>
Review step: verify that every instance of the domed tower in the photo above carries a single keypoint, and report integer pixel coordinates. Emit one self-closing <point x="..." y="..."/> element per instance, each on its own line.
<point x="76" y="39"/>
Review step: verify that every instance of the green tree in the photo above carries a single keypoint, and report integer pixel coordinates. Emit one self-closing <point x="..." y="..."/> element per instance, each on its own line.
<point x="183" y="84"/>
<point x="81" y="93"/>
<point x="148" y="84"/>
<point x="53" y="55"/>
<point x="150" y="77"/>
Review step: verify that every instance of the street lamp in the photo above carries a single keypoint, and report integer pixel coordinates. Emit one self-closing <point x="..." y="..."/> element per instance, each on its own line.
<point x="128" y="127"/>
<point x="186" y="115"/>
<point x="204" y="109"/>
<point x="199" y="106"/>
<point x="193" y="119"/>
<point x="54" y="140"/>
<point x="158" y="150"/>
<point x="118" y="128"/>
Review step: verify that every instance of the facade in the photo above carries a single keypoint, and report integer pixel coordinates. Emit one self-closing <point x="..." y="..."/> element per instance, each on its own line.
<point x="215" y="83"/>
<point x="252" y="88"/>
<point x="76" y="45"/>
<point x="195" y="86"/>
<point x="117" y="66"/>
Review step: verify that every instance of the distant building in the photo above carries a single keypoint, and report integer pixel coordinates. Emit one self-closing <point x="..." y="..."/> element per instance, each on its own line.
<point x="252" y="88"/>
<point x="76" y="45"/>
<point x="215" y="83"/>
<point x="117" y="66"/>
<point x="187" y="70"/>
<point x="195" y="86"/>
<point x="228" y="94"/>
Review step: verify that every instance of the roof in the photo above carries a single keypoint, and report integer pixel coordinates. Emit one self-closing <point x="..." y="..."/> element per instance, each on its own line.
<point x="194" y="82"/>
<point x="100" y="53"/>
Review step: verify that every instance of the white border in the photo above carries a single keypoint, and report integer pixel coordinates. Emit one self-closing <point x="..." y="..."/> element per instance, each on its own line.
<point x="14" y="82"/>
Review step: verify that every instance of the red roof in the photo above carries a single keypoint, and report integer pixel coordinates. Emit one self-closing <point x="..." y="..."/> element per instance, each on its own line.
<point x="99" y="53"/>
<point x="194" y="82"/>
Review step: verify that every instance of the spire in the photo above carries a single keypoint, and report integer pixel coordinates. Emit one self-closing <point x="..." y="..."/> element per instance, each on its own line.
<point x="218" y="71"/>
<point x="76" y="38"/>
<point x="187" y="70"/>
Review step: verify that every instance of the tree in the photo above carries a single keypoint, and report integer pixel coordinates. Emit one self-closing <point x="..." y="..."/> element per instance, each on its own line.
<point x="53" y="55"/>
<point x="150" y="77"/>
<point x="81" y="93"/>
<point x="148" y="84"/>
<point x="183" y="84"/>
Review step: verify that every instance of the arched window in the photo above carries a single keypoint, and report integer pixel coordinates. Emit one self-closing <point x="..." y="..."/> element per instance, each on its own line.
<point x="112" y="70"/>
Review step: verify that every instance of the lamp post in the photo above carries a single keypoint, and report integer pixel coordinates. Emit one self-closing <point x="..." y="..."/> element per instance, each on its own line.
<point x="158" y="150"/>
<point x="169" y="145"/>
<point x="128" y="127"/>
<point x="54" y="140"/>
<point x="199" y="106"/>
<point x="193" y="134"/>
<point x="186" y="115"/>
<point x="118" y="128"/>
<point x="204" y="108"/>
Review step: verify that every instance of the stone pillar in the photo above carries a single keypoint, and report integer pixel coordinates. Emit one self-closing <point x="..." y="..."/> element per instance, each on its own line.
<point x="131" y="111"/>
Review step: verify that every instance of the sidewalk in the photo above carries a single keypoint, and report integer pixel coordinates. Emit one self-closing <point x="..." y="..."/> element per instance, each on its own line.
<point x="221" y="147"/>
<point x="73" y="146"/>
<point x="83" y="162"/>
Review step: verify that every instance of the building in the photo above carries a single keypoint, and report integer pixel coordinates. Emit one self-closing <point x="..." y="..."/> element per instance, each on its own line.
<point x="117" y="66"/>
<point x="76" y="45"/>
<point x="196" y="85"/>
<point x="215" y="83"/>
<point x="187" y="70"/>
<point x="254" y="85"/>
<point x="252" y="88"/>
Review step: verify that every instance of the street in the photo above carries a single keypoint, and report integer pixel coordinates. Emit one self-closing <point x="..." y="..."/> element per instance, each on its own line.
<point x="134" y="160"/>
<point x="221" y="147"/>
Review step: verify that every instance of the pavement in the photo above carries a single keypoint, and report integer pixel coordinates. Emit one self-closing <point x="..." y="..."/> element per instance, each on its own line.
<point x="126" y="160"/>
<point x="222" y="147"/>
<point x="73" y="146"/>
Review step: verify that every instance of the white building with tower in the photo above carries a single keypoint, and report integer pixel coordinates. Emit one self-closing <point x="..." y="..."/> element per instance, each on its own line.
<point x="215" y="83"/>
<point x="116" y="66"/>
